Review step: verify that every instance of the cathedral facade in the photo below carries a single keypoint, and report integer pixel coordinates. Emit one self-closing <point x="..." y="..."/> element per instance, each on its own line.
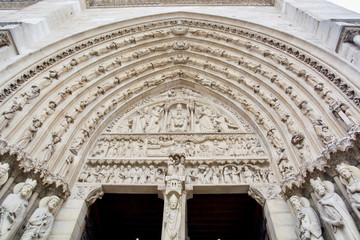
<point x="253" y="102"/>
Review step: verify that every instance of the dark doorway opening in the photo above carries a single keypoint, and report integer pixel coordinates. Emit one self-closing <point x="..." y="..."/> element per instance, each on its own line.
<point x="125" y="217"/>
<point x="225" y="217"/>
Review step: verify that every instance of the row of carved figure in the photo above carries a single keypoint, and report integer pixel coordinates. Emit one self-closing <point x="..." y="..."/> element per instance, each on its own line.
<point x="136" y="147"/>
<point x="228" y="174"/>
<point x="13" y="210"/>
<point x="180" y="117"/>
<point x="203" y="174"/>
<point x="331" y="207"/>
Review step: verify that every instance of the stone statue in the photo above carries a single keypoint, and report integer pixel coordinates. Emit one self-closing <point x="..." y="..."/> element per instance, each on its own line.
<point x="204" y="119"/>
<point x="30" y="133"/>
<point x="350" y="177"/>
<point x="333" y="211"/>
<point x="179" y="120"/>
<point x="4" y="173"/>
<point x="154" y="124"/>
<point x="41" y="221"/>
<point x="49" y="150"/>
<point x="12" y="210"/>
<point x="8" y="115"/>
<point x="307" y="221"/>
<point x="172" y="219"/>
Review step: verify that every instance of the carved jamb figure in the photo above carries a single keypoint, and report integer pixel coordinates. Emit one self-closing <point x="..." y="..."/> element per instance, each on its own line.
<point x="4" y="173"/>
<point x="350" y="177"/>
<point x="172" y="218"/>
<point x="30" y="133"/>
<point x="333" y="211"/>
<point x="41" y="221"/>
<point x="307" y="222"/>
<point x="12" y="210"/>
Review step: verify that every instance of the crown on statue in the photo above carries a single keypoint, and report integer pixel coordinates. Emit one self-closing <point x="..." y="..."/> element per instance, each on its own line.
<point x="341" y="166"/>
<point x="31" y="182"/>
<point x="4" y="166"/>
<point x="316" y="182"/>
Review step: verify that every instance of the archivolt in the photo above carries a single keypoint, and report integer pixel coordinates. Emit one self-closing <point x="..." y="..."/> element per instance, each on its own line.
<point x="277" y="87"/>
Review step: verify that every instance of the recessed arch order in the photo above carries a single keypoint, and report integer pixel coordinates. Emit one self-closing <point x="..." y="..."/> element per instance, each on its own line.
<point x="286" y="94"/>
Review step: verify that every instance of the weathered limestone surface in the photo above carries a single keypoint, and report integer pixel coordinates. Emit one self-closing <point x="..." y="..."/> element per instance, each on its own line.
<point x="224" y="99"/>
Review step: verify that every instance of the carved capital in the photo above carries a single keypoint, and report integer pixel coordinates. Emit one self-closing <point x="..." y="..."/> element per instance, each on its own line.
<point x="4" y="39"/>
<point x="88" y="192"/>
<point x="261" y="193"/>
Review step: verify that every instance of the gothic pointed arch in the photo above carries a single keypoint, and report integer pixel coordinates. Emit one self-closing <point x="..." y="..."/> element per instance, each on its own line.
<point x="254" y="80"/>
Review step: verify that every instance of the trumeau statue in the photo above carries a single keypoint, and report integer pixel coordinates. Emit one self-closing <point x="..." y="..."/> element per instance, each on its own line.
<point x="41" y="221"/>
<point x="172" y="219"/>
<point x="307" y="222"/>
<point x="4" y="173"/>
<point x="333" y="211"/>
<point x="13" y="208"/>
<point x="350" y="177"/>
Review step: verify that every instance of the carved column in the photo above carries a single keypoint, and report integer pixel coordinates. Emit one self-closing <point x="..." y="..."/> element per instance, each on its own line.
<point x="173" y="227"/>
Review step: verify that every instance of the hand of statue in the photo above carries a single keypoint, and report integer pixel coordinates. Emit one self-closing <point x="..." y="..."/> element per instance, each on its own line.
<point x="172" y="236"/>
<point x="11" y="217"/>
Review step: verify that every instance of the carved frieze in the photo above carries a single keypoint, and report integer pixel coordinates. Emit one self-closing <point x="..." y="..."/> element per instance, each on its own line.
<point x="154" y="172"/>
<point x="196" y="146"/>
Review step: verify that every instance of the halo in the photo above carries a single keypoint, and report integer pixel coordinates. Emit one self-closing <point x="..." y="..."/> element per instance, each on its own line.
<point x="44" y="201"/>
<point x="329" y="186"/>
<point x="355" y="171"/>
<point x="18" y="188"/>
<point x="305" y="202"/>
<point x="343" y="181"/>
<point x="4" y="178"/>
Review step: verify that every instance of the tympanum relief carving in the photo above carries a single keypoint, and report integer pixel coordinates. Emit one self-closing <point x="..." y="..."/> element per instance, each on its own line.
<point x="220" y="147"/>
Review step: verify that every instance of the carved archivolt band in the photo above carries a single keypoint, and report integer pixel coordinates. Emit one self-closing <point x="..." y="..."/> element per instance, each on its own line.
<point x="142" y="59"/>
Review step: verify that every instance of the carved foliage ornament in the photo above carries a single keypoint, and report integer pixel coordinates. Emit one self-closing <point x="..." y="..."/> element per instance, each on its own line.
<point x="4" y="39"/>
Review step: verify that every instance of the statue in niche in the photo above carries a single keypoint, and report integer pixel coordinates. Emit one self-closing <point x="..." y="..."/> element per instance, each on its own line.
<point x="154" y="123"/>
<point x="8" y="115"/>
<point x="350" y="177"/>
<point x="30" y="133"/>
<point x="203" y="119"/>
<point x="172" y="218"/>
<point x="179" y="120"/>
<point x="4" y="173"/>
<point x="248" y="174"/>
<point x="333" y="210"/>
<point x="307" y="222"/>
<point x="41" y="221"/>
<point x="12" y="210"/>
